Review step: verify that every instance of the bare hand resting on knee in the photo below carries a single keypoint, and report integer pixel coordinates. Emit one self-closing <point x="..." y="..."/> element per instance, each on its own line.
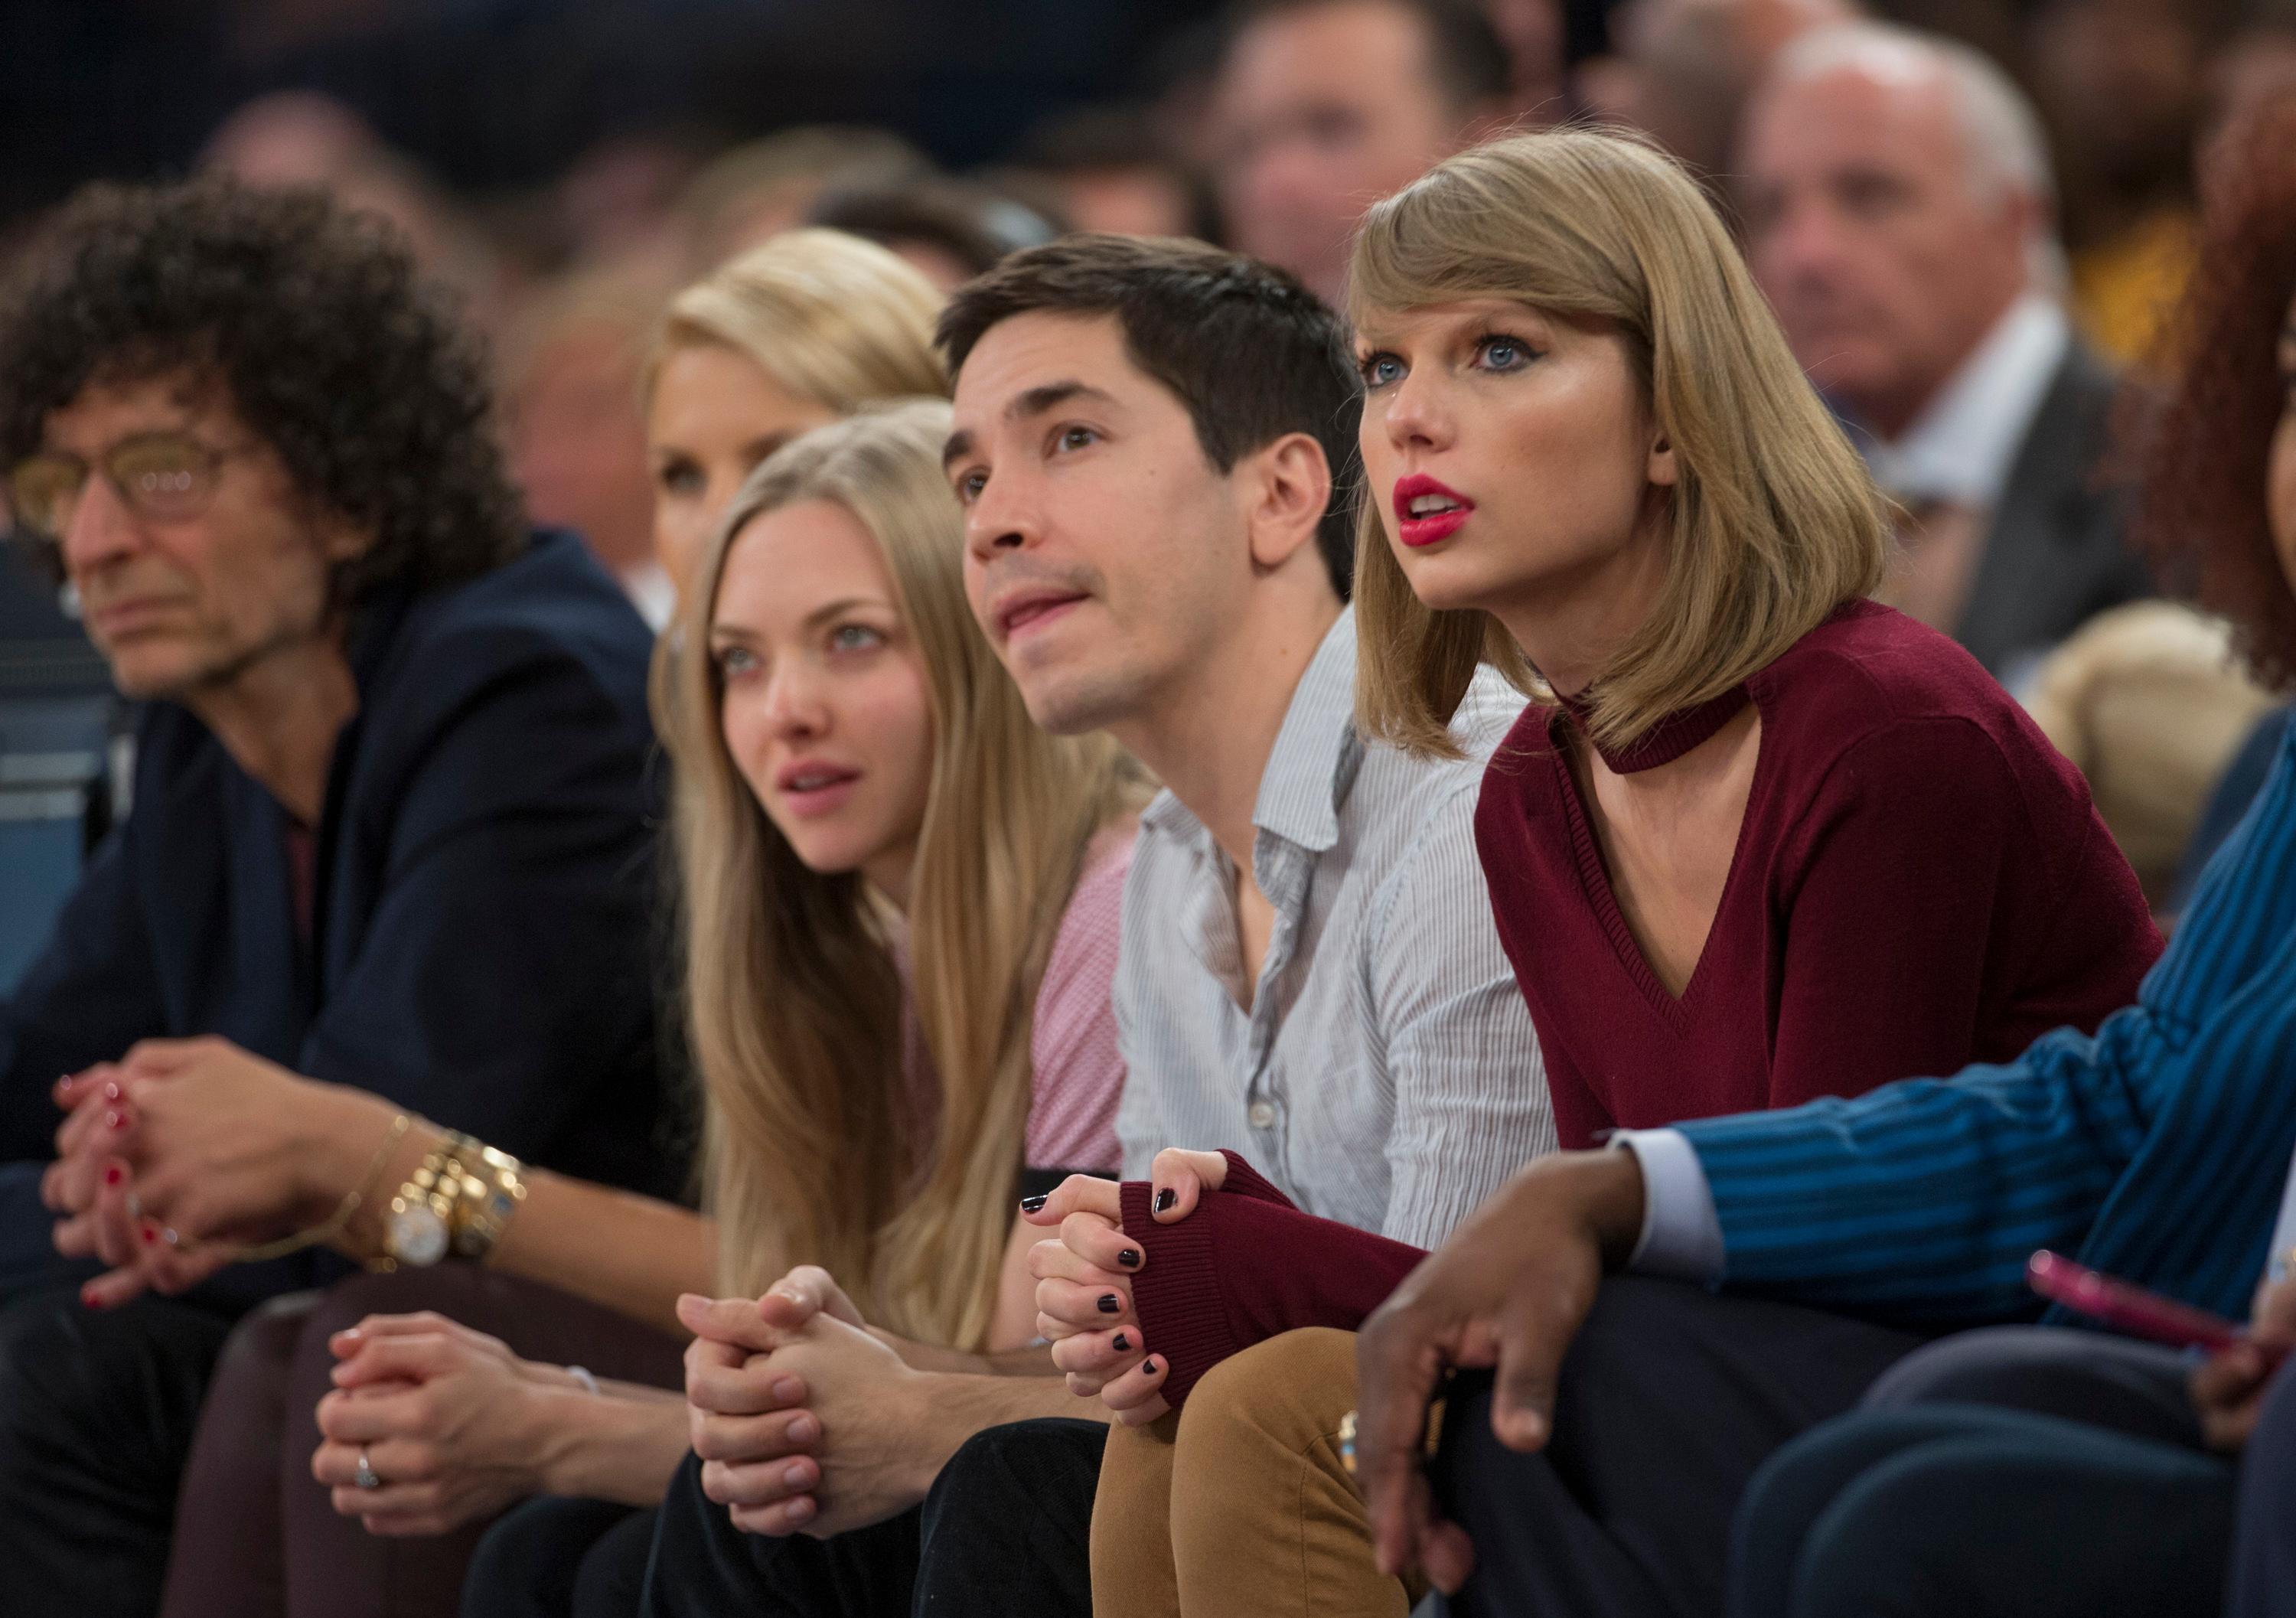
<point x="1509" y="1289"/>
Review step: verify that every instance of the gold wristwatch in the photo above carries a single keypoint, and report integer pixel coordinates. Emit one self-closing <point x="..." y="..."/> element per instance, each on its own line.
<point x="457" y="1201"/>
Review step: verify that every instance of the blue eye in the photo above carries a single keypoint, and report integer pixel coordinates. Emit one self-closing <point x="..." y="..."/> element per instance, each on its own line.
<point x="854" y="637"/>
<point x="1503" y="353"/>
<point x="1380" y="369"/>
<point x="733" y="662"/>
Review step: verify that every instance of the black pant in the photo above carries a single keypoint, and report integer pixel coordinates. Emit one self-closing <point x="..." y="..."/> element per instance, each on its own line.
<point x="98" y="1410"/>
<point x="1006" y="1530"/>
<point x="561" y="1558"/>
<point x="2264" y="1542"/>
<point x="2019" y="1473"/>
<point x="1668" y="1401"/>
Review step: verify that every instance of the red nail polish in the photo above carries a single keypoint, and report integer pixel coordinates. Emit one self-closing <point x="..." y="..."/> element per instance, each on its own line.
<point x="151" y="1231"/>
<point x="89" y="1298"/>
<point x="113" y="1174"/>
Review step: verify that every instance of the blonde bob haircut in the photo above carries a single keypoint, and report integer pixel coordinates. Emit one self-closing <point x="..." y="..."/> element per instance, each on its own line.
<point x="830" y="317"/>
<point x="817" y="1149"/>
<point x="1773" y="520"/>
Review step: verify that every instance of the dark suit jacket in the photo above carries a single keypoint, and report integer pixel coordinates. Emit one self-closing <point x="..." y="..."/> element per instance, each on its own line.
<point x="484" y="900"/>
<point x="2054" y="556"/>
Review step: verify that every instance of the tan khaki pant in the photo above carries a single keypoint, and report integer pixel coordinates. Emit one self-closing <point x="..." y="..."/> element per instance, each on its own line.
<point x="1238" y="1504"/>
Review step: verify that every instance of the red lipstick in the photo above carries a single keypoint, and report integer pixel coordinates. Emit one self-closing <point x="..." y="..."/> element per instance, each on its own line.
<point x="1426" y="512"/>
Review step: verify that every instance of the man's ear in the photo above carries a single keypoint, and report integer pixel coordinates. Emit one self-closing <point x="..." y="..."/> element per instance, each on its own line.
<point x="1289" y="487"/>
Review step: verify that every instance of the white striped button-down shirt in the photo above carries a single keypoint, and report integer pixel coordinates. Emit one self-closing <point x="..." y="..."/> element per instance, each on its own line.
<point x="1386" y="1075"/>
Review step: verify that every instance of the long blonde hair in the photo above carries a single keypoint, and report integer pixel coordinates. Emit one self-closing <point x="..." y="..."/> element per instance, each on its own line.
<point x="816" y="1149"/>
<point x="1775" y="522"/>
<point x="830" y="317"/>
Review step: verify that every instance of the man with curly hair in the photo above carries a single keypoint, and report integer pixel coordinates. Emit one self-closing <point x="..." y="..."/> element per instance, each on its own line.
<point x="390" y="810"/>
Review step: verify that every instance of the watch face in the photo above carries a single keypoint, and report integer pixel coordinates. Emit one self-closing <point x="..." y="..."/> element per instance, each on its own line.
<point x="416" y="1236"/>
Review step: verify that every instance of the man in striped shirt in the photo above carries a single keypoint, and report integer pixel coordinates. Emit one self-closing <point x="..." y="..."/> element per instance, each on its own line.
<point x="1148" y="435"/>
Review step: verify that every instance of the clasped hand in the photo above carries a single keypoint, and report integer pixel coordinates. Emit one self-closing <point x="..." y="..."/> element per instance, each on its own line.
<point x="439" y="1410"/>
<point x="1084" y="1281"/>
<point x="174" y="1157"/>
<point x="798" y="1410"/>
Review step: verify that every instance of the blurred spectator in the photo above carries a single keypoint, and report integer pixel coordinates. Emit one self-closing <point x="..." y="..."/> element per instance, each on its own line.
<point x="765" y="188"/>
<point x="1683" y="70"/>
<point x="298" y="138"/>
<point x="1898" y="210"/>
<point x="1535" y="33"/>
<point x="294" y="137"/>
<point x="2150" y="703"/>
<point x="573" y="427"/>
<point x="617" y="204"/>
<point x="1321" y="107"/>
<point x="810" y="326"/>
<point x="950" y="229"/>
<point x="2123" y="83"/>
<point x="1107" y="169"/>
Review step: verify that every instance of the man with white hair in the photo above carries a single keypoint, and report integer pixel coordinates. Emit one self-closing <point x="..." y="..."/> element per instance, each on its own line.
<point x="1900" y="216"/>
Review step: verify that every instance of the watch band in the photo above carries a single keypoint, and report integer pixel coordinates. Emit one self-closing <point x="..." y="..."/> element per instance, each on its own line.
<point x="491" y="1186"/>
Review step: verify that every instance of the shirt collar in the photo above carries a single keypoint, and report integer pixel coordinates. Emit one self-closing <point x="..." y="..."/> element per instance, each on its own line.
<point x="1314" y="760"/>
<point x="1313" y="763"/>
<point x="1961" y="448"/>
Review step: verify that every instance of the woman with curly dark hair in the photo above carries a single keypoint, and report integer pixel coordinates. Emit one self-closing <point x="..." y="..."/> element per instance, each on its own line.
<point x="2054" y="1472"/>
<point x="390" y="824"/>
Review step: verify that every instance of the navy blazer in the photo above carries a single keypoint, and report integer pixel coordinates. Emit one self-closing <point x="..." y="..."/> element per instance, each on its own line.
<point x="484" y="899"/>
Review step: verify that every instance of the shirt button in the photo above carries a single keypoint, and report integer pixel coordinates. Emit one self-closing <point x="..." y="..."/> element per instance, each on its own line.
<point x="1263" y="1114"/>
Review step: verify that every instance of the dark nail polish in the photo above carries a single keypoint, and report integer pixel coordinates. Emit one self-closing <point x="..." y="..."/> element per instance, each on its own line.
<point x="1123" y="1343"/>
<point x="1109" y="1303"/>
<point x="1165" y="1199"/>
<point x="1148" y="1366"/>
<point x="1033" y="1205"/>
<point x="1129" y="1257"/>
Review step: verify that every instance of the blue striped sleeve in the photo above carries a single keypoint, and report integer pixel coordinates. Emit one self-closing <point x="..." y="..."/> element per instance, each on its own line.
<point x="1922" y="1200"/>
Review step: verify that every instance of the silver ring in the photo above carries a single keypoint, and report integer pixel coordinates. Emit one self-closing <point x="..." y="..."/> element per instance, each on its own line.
<point x="167" y="1235"/>
<point x="365" y="1477"/>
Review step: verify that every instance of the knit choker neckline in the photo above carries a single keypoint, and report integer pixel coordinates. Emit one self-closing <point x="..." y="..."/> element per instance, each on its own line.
<point x="1664" y="741"/>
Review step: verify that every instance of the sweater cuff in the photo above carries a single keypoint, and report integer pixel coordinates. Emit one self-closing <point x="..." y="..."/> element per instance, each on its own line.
<point x="1244" y="1180"/>
<point x="1176" y="1293"/>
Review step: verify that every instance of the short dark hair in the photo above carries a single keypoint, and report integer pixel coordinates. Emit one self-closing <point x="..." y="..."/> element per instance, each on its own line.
<point x="1252" y="354"/>
<point x="312" y="322"/>
<point x="1464" y="53"/>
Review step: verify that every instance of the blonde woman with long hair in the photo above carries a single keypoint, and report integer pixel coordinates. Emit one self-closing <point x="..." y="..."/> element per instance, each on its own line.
<point x="900" y="903"/>
<point x="1756" y="839"/>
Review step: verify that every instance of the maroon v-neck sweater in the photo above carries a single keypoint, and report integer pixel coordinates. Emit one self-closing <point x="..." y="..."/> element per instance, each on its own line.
<point x="1920" y="883"/>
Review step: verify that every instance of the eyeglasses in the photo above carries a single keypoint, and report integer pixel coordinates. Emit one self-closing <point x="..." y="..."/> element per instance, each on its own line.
<point x="162" y="477"/>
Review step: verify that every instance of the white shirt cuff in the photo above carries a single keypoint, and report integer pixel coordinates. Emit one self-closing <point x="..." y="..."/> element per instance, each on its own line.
<point x="1681" y="1236"/>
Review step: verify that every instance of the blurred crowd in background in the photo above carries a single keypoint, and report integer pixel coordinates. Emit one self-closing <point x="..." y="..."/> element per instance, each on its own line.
<point x="567" y="165"/>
